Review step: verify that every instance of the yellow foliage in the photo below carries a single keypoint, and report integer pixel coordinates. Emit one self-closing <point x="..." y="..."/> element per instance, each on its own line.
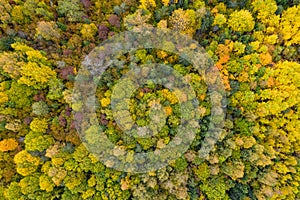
<point x="263" y="49"/>
<point x="57" y="161"/>
<point x="197" y="4"/>
<point x="21" y="47"/>
<point x="17" y="14"/>
<point x="220" y="19"/>
<point x="241" y="21"/>
<point x="184" y="21"/>
<point x="147" y="4"/>
<point x="165" y="2"/>
<point x="265" y="9"/>
<point x="272" y="39"/>
<point x="105" y="102"/>
<point x="46" y="183"/>
<point x="168" y="110"/>
<point x="162" y="24"/>
<point x="290" y="25"/>
<point x="39" y="125"/>
<point x="5" y="10"/>
<point x="88" y="194"/>
<point x="3" y="98"/>
<point x="92" y="181"/>
<point x="259" y="36"/>
<point x="33" y="69"/>
<point x="265" y="58"/>
<point x="248" y="142"/>
<point x="238" y="48"/>
<point x="10" y="64"/>
<point x="26" y="163"/>
<point x="35" y="75"/>
<point x="170" y="96"/>
<point x="88" y="31"/>
<point x="8" y="145"/>
<point x="161" y="54"/>
<point x="34" y="55"/>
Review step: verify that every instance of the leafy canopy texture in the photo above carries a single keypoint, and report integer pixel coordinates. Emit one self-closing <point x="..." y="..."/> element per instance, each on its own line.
<point x="254" y="46"/>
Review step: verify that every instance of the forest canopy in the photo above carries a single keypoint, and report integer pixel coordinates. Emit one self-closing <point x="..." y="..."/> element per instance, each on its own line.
<point x="254" y="46"/>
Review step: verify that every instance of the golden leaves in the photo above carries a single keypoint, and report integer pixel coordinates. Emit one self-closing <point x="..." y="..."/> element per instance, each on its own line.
<point x="8" y="145"/>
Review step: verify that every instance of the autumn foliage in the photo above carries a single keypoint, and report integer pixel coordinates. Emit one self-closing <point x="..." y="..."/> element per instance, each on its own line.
<point x="254" y="46"/>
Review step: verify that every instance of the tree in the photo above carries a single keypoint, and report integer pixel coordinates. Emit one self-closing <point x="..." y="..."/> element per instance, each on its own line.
<point x="265" y="9"/>
<point x="40" y="108"/>
<point x="35" y="75"/>
<point x="220" y="20"/>
<point x="88" y="31"/>
<point x="26" y="163"/>
<point x="290" y="25"/>
<point x="215" y="188"/>
<point x="16" y="93"/>
<point x="48" y="31"/>
<point x="71" y="9"/>
<point x="8" y="144"/>
<point x="5" y="10"/>
<point x="39" y="125"/>
<point x="27" y="65"/>
<point x="241" y="21"/>
<point x="235" y="170"/>
<point x="147" y="4"/>
<point x="184" y="21"/>
<point x="36" y="141"/>
<point x="13" y="191"/>
<point x="46" y="183"/>
<point x="136" y="19"/>
<point x="29" y="184"/>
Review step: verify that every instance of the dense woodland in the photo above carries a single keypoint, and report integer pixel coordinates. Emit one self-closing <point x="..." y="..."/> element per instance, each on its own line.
<point x="255" y="46"/>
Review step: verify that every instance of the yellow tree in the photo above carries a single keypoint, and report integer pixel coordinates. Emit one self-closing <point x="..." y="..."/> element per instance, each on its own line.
<point x="34" y="68"/>
<point x="290" y="25"/>
<point x="8" y="145"/>
<point x="241" y="21"/>
<point x="184" y="21"/>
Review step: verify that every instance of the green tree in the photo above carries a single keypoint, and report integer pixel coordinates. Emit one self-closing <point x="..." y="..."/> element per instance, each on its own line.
<point x="73" y="10"/>
<point x="35" y="141"/>
<point x="40" y="108"/>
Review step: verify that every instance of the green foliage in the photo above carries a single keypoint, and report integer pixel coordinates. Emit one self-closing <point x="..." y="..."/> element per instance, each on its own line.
<point x="13" y="191"/>
<point x="16" y="95"/>
<point x="215" y="189"/>
<point x="40" y="108"/>
<point x="70" y="9"/>
<point x="35" y="141"/>
<point x="55" y="89"/>
<point x="39" y="125"/>
<point x="180" y="164"/>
